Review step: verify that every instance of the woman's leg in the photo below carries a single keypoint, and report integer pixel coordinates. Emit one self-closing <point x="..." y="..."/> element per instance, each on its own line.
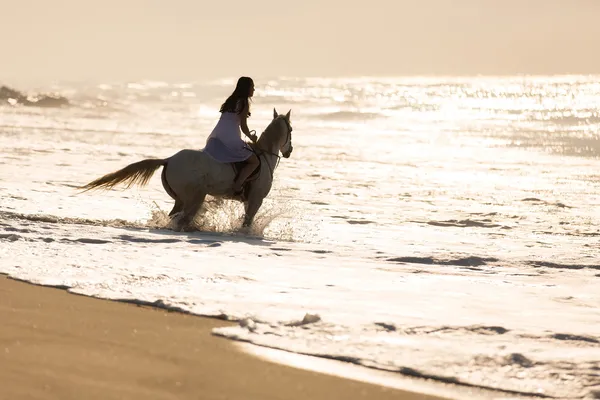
<point x="251" y="165"/>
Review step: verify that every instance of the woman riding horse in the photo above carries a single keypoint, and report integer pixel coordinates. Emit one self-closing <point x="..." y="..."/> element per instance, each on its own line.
<point x="225" y="143"/>
<point x="188" y="176"/>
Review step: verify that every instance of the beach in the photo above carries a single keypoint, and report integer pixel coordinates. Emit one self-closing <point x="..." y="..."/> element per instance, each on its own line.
<point x="56" y="345"/>
<point x="420" y="213"/>
<point x="435" y="229"/>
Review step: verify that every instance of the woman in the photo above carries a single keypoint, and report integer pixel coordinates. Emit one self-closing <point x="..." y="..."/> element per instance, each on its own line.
<point x="225" y="142"/>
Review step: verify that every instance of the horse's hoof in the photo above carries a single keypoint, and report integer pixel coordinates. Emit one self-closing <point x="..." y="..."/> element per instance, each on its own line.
<point x="188" y="227"/>
<point x="182" y="226"/>
<point x="178" y="229"/>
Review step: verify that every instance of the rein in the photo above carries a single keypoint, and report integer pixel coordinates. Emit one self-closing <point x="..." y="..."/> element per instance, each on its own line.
<point x="262" y="151"/>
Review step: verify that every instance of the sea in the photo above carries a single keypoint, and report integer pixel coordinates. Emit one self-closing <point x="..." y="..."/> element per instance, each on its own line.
<point x="441" y="228"/>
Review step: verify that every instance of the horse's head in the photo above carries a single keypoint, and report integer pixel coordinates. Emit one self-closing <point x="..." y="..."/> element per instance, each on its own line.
<point x="286" y="137"/>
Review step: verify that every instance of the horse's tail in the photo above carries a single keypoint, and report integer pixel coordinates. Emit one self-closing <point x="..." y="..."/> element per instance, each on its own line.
<point x="138" y="173"/>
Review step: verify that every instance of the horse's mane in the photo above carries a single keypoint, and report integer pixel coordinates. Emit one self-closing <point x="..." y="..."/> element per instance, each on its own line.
<point x="271" y="133"/>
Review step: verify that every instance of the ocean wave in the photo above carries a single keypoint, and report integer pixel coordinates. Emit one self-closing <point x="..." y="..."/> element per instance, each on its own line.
<point x="567" y="143"/>
<point x="420" y="352"/>
<point x="466" y="223"/>
<point x="555" y="265"/>
<point x="566" y="117"/>
<point x="13" y="97"/>
<point x="471" y="261"/>
<point x="348" y="116"/>
<point x="52" y="219"/>
<point x="52" y="128"/>
<point x="217" y="217"/>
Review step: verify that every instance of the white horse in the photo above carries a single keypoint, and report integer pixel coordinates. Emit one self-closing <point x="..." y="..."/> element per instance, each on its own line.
<point x="189" y="175"/>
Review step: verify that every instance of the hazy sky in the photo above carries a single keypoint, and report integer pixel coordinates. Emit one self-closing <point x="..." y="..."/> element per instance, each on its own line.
<point x="198" y="39"/>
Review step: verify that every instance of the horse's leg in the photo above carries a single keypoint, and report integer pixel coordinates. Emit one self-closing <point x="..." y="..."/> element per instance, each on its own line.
<point x="252" y="206"/>
<point x="176" y="208"/>
<point x="178" y="203"/>
<point x="191" y="209"/>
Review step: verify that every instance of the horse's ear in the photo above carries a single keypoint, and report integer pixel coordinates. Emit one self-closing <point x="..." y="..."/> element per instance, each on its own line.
<point x="274" y="113"/>
<point x="287" y="116"/>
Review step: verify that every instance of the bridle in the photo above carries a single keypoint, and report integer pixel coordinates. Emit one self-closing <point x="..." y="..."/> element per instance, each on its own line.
<point x="288" y="139"/>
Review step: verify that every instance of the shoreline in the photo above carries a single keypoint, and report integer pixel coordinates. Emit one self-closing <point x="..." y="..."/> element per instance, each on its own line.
<point x="387" y="379"/>
<point x="59" y="345"/>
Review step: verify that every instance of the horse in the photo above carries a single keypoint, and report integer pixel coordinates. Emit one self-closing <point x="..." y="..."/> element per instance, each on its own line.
<point x="188" y="176"/>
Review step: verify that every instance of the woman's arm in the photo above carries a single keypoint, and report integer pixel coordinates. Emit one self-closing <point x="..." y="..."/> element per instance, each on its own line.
<point x="244" y="124"/>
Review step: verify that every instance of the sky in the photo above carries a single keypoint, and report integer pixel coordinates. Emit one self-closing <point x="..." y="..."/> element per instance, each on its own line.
<point x="182" y="40"/>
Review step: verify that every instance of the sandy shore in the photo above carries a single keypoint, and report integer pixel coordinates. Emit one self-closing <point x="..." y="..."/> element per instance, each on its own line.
<point x="56" y="345"/>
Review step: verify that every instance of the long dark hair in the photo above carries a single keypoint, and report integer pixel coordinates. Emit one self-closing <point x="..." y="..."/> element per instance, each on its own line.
<point x="240" y="98"/>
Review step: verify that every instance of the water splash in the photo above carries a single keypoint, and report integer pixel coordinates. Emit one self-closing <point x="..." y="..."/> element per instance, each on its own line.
<point x="273" y="221"/>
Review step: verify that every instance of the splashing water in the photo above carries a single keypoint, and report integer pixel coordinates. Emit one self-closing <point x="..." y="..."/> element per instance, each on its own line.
<point x="226" y="216"/>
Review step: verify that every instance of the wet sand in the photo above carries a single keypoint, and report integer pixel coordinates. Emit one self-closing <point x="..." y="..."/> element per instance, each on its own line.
<point x="57" y="345"/>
